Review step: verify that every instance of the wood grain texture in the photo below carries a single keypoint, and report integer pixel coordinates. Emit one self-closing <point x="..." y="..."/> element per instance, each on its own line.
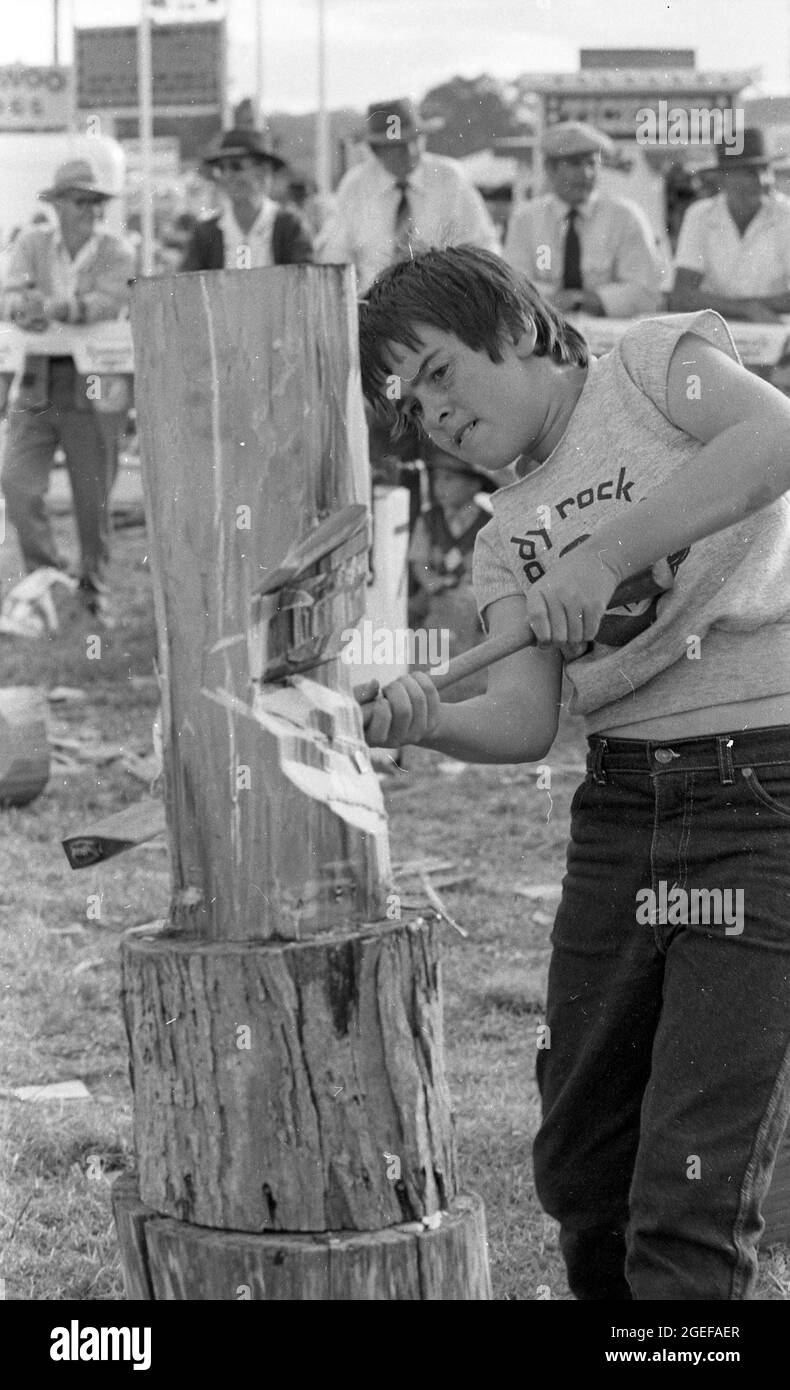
<point x="290" y="1086"/>
<point x="407" y="1262"/>
<point x="248" y="398"/>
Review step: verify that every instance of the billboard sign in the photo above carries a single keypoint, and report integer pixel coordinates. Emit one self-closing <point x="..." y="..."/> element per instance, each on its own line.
<point x="35" y="98"/>
<point x="187" y="61"/>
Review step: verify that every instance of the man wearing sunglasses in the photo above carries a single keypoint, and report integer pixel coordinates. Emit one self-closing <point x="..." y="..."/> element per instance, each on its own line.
<point x="73" y="273"/>
<point x="252" y="229"/>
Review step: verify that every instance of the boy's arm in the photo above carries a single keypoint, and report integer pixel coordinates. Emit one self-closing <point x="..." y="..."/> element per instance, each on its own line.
<point x="744" y="424"/>
<point x="514" y="722"/>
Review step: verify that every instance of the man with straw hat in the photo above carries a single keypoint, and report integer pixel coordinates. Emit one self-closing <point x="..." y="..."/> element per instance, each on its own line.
<point x="72" y="273"/>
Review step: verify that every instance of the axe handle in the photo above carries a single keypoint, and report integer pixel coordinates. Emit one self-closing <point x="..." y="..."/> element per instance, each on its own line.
<point x="477" y="658"/>
<point x="468" y="663"/>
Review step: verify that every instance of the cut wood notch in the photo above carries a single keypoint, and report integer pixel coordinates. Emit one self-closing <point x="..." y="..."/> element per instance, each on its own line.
<point x="300" y="609"/>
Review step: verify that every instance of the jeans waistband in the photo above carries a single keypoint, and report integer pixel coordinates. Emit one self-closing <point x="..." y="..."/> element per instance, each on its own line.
<point x="719" y="753"/>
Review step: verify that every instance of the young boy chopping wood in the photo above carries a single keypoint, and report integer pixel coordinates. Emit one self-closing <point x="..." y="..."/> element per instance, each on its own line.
<point x="646" y="553"/>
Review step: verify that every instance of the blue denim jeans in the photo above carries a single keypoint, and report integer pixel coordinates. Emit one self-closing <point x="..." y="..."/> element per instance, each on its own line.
<point x="666" y="1081"/>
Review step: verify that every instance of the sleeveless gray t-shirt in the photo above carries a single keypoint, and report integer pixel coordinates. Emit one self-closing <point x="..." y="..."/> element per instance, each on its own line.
<point x="707" y="625"/>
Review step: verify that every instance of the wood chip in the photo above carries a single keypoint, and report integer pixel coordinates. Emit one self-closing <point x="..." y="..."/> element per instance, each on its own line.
<point x="66" y="695"/>
<point x="405" y="867"/>
<point x="92" y="964"/>
<point x="435" y="901"/>
<point x="539" y="892"/>
<point x="53" y="1090"/>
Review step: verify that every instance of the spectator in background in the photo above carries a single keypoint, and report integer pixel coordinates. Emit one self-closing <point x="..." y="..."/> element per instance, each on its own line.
<point x="73" y="273"/>
<point x="733" y="252"/>
<point x="400" y="196"/>
<point x="586" y="251"/>
<point x="252" y="230"/>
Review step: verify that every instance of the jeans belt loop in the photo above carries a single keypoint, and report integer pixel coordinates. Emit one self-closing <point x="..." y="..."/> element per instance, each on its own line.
<point x="724" y="756"/>
<point x="598" y="773"/>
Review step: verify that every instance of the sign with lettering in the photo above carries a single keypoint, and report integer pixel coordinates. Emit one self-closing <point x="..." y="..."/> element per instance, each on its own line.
<point x="35" y="98"/>
<point x="96" y="347"/>
<point x="187" y="62"/>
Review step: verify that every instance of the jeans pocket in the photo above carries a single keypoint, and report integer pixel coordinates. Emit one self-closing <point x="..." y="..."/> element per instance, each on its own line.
<point x="771" y="789"/>
<point x="578" y="796"/>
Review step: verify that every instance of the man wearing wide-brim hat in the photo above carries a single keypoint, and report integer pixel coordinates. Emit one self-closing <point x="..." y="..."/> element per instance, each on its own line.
<point x="400" y="197"/>
<point x="585" y="251"/>
<point x="733" y="252"/>
<point x="74" y="273"/>
<point x="251" y="229"/>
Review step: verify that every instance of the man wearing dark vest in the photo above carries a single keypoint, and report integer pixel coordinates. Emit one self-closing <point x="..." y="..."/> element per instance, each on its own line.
<point x="252" y="229"/>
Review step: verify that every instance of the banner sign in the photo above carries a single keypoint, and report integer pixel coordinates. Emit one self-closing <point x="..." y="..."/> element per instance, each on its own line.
<point x="35" y="98"/>
<point x="96" y="347"/>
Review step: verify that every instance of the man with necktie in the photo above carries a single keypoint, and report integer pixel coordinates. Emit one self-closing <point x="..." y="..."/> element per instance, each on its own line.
<point x="586" y="251"/>
<point x="400" y="196"/>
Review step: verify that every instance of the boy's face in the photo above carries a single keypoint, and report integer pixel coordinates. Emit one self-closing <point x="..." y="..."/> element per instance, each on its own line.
<point x="480" y="411"/>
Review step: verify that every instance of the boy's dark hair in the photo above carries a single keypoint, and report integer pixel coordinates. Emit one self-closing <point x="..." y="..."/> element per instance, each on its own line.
<point x="462" y="290"/>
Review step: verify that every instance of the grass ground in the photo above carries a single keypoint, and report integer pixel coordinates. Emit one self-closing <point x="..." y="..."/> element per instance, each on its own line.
<point x="61" y="1016"/>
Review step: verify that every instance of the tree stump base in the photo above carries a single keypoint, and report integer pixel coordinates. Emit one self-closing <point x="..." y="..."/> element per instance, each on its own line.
<point x="290" y="1085"/>
<point x="167" y="1260"/>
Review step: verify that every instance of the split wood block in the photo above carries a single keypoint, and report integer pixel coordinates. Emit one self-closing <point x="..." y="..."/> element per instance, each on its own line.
<point x="283" y="1086"/>
<point x="24" y="749"/>
<point x="167" y="1260"/>
<point x="252" y="430"/>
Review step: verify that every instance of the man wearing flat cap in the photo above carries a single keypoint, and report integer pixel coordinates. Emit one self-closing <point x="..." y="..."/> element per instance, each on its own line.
<point x="733" y="252"/>
<point x="252" y="229"/>
<point x="74" y="273"/>
<point x="400" y="197"/>
<point x="585" y="251"/>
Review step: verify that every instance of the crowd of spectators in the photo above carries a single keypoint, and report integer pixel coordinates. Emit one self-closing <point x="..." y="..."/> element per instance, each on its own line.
<point x="587" y="251"/>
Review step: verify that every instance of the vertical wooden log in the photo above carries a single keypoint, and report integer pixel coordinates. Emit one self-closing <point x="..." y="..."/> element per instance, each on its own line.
<point x="285" y="1036"/>
<point x="252" y="430"/>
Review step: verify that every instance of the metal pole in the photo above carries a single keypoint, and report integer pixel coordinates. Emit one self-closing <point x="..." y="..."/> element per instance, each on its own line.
<point x="56" y="32"/>
<point x="322" y="153"/>
<point x="259" y="121"/>
<point x="146" y="123"/>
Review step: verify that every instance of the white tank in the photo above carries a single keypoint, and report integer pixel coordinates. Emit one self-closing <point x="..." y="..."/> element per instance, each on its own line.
<point x="28" y="163"/>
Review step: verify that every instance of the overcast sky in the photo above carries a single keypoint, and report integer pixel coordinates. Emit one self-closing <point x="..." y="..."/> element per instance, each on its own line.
<point x="386" y="48"/>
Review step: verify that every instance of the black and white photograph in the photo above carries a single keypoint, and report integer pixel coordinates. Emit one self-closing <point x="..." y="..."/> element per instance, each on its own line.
<point x="395" y="665"/>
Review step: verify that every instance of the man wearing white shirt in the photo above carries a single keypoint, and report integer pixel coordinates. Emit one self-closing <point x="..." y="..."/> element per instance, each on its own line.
<point x="76" y="273"/>
<point x="733" y="252"/>
<point x="400" y="196"/>
<point x="585" y="251"/>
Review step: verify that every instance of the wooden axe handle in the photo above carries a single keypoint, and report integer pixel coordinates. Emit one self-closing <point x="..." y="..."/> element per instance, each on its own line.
<point x="477" y="658"/>
<point x="468" y="663"/>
